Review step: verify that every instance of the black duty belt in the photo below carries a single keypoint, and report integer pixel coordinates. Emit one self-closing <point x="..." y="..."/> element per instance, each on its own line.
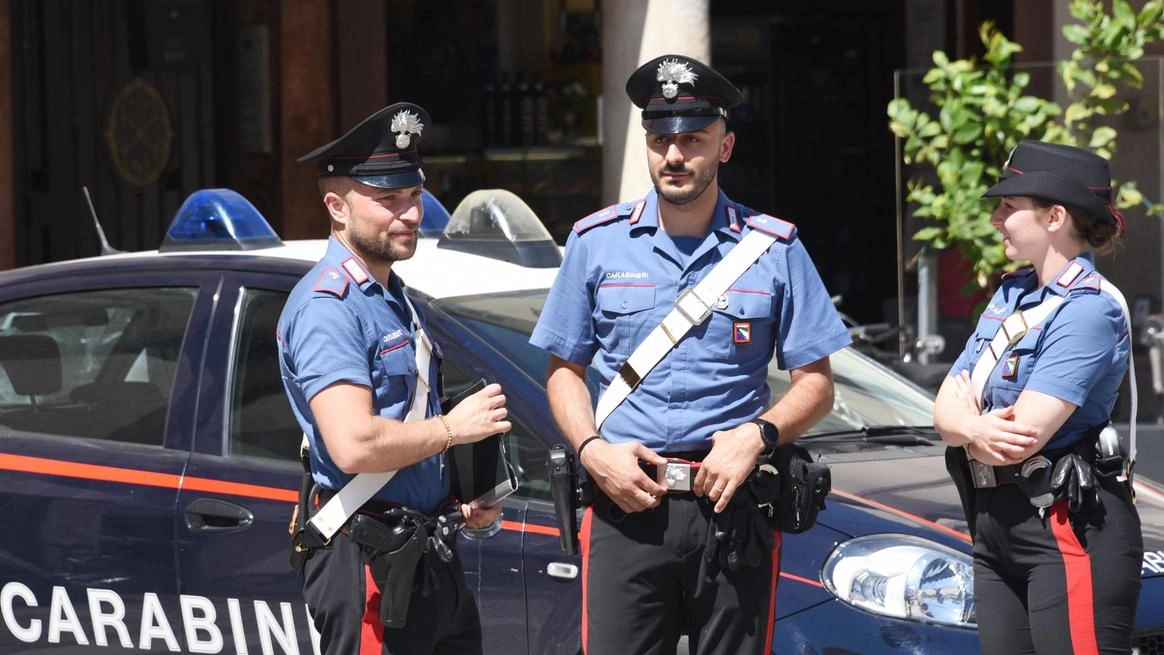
<point x="985" y="476"/>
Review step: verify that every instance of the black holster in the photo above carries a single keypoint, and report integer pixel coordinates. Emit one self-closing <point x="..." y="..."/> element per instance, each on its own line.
<point x="395" y="571"/>
<point x="302" y="542"/>
<point x="959" y="469"/>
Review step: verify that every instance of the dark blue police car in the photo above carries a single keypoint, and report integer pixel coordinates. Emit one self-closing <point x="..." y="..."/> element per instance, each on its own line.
<point x="148" y="459"/>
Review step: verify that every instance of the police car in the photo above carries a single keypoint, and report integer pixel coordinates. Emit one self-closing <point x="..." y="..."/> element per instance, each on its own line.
<point x="148" y="458"/>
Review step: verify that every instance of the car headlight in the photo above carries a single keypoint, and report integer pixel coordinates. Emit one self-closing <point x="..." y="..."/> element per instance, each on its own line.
<point x="903" y="576"/>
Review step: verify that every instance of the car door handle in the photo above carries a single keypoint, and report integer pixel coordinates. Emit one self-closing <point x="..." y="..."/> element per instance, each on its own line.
<point x="213" y="515"/>
<point x="562" y="570"/>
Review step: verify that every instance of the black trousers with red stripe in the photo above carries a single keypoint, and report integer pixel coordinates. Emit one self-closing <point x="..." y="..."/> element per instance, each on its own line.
<point x="344" y="600"/>
<point x="643" y="586"/>
<point x="1059" y="584"/>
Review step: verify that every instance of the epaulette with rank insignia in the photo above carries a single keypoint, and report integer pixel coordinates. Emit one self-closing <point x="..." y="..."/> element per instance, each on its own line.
<point x="777" y="227"/>
<point x="1089" y="282"/>
<point x="603" y="216"/>
<point x="332" y="281"/>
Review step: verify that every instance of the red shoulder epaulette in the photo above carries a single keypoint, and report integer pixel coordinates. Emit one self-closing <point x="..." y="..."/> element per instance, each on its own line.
<point x="777" y="227"/>
<point x="603" y="216"/>
<point x="332" y="281"/>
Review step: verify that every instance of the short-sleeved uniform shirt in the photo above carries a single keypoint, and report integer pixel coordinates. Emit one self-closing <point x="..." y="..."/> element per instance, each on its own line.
<point x="622" y="274"/>
<point x="340" y="325"/>
<point x="1078" y="354"/>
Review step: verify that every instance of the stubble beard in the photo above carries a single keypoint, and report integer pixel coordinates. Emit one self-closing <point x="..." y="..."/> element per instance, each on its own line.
<point x="700" y="183"/>
<point x="383" y="249"/>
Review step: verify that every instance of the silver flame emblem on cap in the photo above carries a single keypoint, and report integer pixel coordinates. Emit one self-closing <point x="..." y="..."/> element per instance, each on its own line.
<point x="404" y="125"/>
<point x="672" y="73"/>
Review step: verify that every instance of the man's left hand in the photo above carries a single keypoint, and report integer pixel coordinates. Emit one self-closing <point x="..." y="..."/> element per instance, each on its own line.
<point x="731" y="460"/>
<point x="477" y="517"/>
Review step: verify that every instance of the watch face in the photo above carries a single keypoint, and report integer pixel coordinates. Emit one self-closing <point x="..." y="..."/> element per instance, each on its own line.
<point x="769" y="433"/>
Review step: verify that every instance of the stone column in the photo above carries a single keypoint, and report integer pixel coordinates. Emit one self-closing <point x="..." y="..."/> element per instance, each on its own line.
<point x="633" y="32"/>
<point x="7" y="176"/>
<point x="307" y="110"/>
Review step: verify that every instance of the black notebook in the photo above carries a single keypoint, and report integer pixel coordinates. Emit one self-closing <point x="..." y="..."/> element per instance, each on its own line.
<point x="480" y="471"/>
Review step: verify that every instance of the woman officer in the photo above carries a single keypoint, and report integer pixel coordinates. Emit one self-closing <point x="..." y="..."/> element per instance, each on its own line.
<point x="1056" y="567"/>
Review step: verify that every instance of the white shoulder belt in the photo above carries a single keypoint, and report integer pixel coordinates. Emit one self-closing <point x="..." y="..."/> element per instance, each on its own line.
<point x="1017" y="324"/>
<point x="691" y="309"/>
<point x="335" y="512"/>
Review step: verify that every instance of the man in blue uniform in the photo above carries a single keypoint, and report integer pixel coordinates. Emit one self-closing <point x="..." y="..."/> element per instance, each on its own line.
<point x="651" y="558"/>
<point x="361" y="376"/>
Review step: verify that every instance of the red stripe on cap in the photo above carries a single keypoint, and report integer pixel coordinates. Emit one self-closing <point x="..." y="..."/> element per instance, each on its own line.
<point x="771" y="627"/>
<point x="1077" y="566"/>
<point x="1119" y="218"/>
<point x="584" y="537"/>
<point x="386" y="155"/>
<point x="1014" y="170"/>
<point x="371" y="630"/>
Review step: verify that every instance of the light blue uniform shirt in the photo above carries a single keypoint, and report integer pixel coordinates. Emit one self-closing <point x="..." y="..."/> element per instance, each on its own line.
<point x="1079" y="354"/>
<point x="340" y="325"/>
<point x="622" y="274"/>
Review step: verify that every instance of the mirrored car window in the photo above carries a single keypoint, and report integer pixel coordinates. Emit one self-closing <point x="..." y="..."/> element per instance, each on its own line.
<point x="260" y="422"/>
<point x="96" y="364"/>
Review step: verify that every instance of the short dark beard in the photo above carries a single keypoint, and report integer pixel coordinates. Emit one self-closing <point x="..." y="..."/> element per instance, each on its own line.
<point x="380" y="250"/>
<point x="682" y="198"/>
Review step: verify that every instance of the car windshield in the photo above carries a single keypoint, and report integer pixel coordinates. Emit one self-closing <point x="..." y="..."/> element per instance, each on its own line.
<point x="867" y="394"/>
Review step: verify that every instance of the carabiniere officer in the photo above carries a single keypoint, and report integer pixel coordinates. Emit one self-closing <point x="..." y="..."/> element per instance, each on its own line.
<point x="654" y="567"/>
<point x="361" y="376"/>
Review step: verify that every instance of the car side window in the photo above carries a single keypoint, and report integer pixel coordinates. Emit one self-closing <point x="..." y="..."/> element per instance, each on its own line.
<point x="261" y="423"/>
<point x="527" y="455"/>
<point x="96" y="364"/>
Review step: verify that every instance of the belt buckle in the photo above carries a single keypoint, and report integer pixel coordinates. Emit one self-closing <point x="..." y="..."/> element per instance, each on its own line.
<point x="675" y="476"/>
<point x="983" y="475"/>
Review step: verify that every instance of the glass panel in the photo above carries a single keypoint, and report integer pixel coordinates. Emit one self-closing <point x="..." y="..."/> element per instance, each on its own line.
<point x="261" y="421"/>
<point x="97" y="364"/>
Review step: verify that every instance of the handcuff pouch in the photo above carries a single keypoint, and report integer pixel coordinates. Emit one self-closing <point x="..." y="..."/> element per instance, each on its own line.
<point x="802" y="487"/>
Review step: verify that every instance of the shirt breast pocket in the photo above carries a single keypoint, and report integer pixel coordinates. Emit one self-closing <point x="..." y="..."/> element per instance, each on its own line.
<point x="1017" y="363"/>
<point x="742" y="325"/>
<point x="625" y="317"/>
<point x="398" y="372"/>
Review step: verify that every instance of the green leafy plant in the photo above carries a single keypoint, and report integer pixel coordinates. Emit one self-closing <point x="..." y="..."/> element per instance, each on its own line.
<point x="984" y="110"/>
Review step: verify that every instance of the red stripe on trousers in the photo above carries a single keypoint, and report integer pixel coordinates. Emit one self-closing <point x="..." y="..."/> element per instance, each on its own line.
<point x="1077" y="566"/>
<point x="584" y="537"/>
<point x="371" y="631"/>
<point x="772" y="592"/>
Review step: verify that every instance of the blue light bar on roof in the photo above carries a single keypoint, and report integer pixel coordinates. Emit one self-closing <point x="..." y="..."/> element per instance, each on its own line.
<point x="218" y="219"/>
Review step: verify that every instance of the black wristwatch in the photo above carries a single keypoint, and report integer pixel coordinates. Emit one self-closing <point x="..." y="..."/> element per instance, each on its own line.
<point x="769" y="433"/>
